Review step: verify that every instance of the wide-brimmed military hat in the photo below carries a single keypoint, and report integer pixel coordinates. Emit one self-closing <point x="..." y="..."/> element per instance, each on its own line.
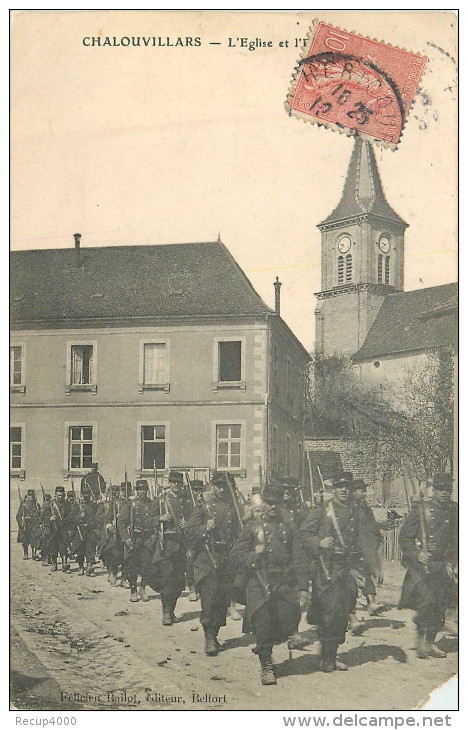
<point x="342" y="478"/>
<point x="59" y="490"/>
<point x="360" y="484"/>
<point x="30" y="493"/>
<point x="114" y="488"/>
<point x="442" y="481"/>
<point x="272" y="494"/>
<point x="198" y="484"/>
<point x="176" y="477"/>
<point x="141" y="484"/>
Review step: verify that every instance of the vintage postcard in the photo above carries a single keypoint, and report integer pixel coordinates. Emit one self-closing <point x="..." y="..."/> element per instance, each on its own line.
<point x="233" y="361"/>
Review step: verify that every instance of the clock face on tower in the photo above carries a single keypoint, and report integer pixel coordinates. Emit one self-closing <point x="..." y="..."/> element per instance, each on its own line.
<point x="344" y="244"/>
<point x="384" y="244"/>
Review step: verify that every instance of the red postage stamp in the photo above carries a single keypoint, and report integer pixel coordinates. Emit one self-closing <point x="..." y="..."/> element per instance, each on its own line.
<point x="355" y="84"/>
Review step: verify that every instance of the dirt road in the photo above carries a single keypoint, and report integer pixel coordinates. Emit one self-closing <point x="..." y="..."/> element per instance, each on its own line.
<point x="79" y="644"/>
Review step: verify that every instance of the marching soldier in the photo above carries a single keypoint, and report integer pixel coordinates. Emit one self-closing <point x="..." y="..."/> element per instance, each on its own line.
<point x="331" y="536"/>
<point x="210" y="533"/>
<point x="137" y="524"/>
<point x="197" y="491"/>
<point x="294" y="508"/>
<point x="428" y="541"/>
<point x="267" y="552"/>
<point x="372" y="535"/>
<point x="28" y="519"/>
<point x="95" y="482"/>
<point x="111" y="551"/>
<point x="45" y="530"/>
<point x="57" y="511"/>
<point x="169" y="555"/>
<point x="85" y="531"/>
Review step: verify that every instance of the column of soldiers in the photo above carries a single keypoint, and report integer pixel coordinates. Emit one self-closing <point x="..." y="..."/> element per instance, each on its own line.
<point x="277" y="555"/>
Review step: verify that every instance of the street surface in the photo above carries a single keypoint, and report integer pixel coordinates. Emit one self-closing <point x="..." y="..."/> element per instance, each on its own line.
<point x="79" y="644"/>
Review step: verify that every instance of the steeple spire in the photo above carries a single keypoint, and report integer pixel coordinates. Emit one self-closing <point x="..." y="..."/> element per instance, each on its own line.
<point x="363" y="192"/>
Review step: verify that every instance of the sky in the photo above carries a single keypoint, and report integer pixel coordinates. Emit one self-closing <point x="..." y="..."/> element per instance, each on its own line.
<point x="168" y="144"/>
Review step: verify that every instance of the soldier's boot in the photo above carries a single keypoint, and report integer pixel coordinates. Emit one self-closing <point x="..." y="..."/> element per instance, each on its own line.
<point x="267" y="672"/>
<point x="340" y="666"/>
<point x="54" y="566"/>
<point x="432" y="649"/>
<point x="192" y="596"/>
<point x="34" y="554"/>
<point x="373" y="605"/>
<point x="134" y="594"/>
<point x="422" y="649"/>
<point x="166" y="612"/>
<point x="65" y="564"/>
<point x="211" y="643"/>
<point x="328" y="656"/>
<point x="355" y="624"/>
<point x="80" y="568"/>
<point x="113" y="580"/>
<point x="25" y="553"/>
<point x="175" y="620"/>
<point x="45" y="562"/>
<point x="143" y="595"/>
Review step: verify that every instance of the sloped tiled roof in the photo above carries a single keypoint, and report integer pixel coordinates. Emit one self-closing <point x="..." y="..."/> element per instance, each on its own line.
<point x="363" y="191"/>
<point x="185" y="279"/>
<point x="413" y="320"/>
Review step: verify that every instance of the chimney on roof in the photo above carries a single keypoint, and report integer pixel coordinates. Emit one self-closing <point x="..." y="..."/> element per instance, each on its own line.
<point x="277" y="285"/>
<point x="77" y="237"/>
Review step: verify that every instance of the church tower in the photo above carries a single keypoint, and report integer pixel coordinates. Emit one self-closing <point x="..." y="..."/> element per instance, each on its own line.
<point x="362" y="257"/>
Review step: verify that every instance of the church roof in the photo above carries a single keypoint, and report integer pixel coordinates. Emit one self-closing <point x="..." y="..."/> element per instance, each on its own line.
<point x="413" y="321"/>
<point x="363" y="191"/>
<point x="185" y="279"/>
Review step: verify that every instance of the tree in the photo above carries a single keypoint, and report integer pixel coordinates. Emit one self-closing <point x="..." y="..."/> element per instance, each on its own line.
<point x="410" y="425"/>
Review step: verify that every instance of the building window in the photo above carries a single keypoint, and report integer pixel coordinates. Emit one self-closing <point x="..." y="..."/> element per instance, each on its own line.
<point x="288" y="379"/>
<point x="349" y="267"/>
<point x="17" y="369"/>
<point x="153" y="447"/>
<point x="16" y="449"/>
<point x="383" y="269"/>
<point x="340" y="269"/>
<point x="154" y="366"/>
<point x="275" y="364"/>
<point x="288" y="455"/>
<point x="274" y="448"/>
<point x="229" y="364"/>
<point x="80" y="447"/>
<point x="387" y="269"/>
<point x="228" y="446"/>
<point x="82" y="367"/>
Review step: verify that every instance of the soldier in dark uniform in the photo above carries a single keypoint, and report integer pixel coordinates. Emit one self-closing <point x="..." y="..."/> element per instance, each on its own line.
<point x="45" y="530"/>
<point x="137" y="524"/>
<point x="111" y="551"/>
<point x="71" y="497"/>
<point x="58" y="513"/>
<point x="210" y="533"/>
<point x="294" y="508"/>
<point x="267" y="552"/>
<point x="95" y="482"/>
<point x="331" y="536"/>
<point x="85" y="531"/>
<point x="197" y="491"/>
<point x="28" y="519"/>
<point x="168" y="578"/>
<point x="428" y="541"/>
<point x="372" y="535"/>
